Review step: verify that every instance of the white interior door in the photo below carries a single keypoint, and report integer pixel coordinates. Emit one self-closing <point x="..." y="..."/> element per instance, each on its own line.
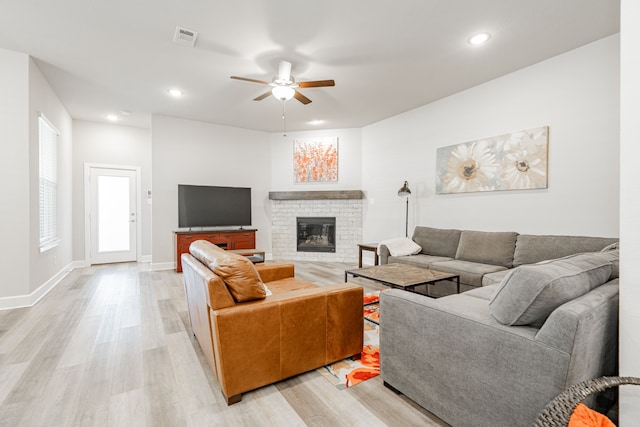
<point x="113" y="215"/>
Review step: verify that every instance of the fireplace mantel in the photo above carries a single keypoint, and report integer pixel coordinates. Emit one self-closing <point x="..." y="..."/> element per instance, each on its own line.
<point x="316" y="195"/>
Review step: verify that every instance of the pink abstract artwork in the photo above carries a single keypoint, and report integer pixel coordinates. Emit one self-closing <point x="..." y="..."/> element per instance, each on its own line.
<point x="315" y="160"/>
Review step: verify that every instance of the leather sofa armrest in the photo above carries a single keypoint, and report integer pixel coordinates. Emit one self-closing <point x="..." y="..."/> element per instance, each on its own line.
<point x="202" y="285"/>
<point x="262" y="342"/>
<point x="271" y="272"/>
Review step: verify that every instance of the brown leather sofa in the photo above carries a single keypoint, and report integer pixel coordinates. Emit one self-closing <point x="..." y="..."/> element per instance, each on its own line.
<point x="300" y="327"/>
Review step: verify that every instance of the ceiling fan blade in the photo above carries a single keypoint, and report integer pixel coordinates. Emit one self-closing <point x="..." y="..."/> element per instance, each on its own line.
<point x="284" y="71"/>
<point x="250" y="80"/>
<point x="263" y="96"/>
<point x="317" y="83"/>
<point x="300" y="97"/>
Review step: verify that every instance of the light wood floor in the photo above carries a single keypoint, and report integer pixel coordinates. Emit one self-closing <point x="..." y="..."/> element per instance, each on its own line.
<point x="111" y="346"/>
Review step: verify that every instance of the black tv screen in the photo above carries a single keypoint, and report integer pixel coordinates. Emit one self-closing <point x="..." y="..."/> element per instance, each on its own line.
<point x="208" y="206"/>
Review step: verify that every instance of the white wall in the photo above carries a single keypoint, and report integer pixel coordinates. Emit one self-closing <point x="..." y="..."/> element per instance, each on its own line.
<point x="576" y="94"/>
<point x="629" y="211"/>
<point x="14" y="174"/>
<point x="42" y="99"/>
<point x="349" y="160"/>
<point x="191" y="152"/>
<point x="28" y="274"/>
<point x="108" y="144"/>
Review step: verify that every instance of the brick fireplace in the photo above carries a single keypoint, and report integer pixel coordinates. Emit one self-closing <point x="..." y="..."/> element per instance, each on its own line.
<point x="345" y="208"/>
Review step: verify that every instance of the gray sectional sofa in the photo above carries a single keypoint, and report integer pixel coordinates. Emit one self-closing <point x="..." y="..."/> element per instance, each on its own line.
<point x="528" y="328"/>
<point x="483" y="257"/>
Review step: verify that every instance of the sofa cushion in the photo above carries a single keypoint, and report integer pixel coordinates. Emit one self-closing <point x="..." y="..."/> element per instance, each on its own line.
<point x="419" y="260"/>
<point x="487" y="247"/>
<point x="535" y="248"/>
<point x="494" y="278"/>
<point x="289" y="284"/>
<point x="437" y="241"/>
<point x="529" y="293"/>
<point x="470" y="273"/>
<point x="237" y="272"/>
<point x="483" y="292"/>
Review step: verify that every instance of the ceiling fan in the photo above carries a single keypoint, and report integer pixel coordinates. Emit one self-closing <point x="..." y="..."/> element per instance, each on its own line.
<point x="284" y="85"/>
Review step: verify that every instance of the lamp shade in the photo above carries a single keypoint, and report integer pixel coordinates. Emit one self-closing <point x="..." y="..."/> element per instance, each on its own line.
<point x="283" y="93"/>
<point x="404" y="191"/>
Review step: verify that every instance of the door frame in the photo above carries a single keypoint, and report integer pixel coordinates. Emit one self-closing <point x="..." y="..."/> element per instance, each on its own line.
<point x="87" y="207"/>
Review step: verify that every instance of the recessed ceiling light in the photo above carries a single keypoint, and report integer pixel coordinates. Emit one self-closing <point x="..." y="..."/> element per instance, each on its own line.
<point x="111" y="117"/>
<point x="316" y="122"/>
<point x="479" y="38"/>
<point x="176" y="93"/>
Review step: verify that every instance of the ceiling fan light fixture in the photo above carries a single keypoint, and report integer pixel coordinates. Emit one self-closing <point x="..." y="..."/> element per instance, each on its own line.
<point x="283" y="93"/>
<point x="283" y="86"/>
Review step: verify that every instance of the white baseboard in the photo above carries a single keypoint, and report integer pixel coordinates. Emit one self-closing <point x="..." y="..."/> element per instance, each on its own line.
<point x="162" y="266"/>
<point x="145" y="258"/>
<point x="19" y="301"/>
<point x="80" y="264"/>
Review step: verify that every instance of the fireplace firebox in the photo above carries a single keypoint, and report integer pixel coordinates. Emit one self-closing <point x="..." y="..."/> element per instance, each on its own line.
<point x="316" y="234"/>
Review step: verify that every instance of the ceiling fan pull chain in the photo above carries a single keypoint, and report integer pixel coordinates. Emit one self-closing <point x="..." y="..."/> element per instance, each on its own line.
<point x="284" y="119"/>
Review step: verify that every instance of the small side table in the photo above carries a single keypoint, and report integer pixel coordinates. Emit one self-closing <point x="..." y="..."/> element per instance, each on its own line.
<point x="372" y="247"/>
<point x="255" y="256"/>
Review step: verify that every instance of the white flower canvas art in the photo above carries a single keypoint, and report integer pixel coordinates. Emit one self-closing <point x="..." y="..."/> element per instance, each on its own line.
<point x="513" y="161"/>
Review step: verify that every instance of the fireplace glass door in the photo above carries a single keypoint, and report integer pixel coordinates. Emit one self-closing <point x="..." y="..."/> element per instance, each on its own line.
<point x="316" y="234"/>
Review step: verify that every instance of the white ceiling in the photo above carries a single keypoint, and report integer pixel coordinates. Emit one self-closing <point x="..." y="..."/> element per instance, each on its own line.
<point x="385" y="57"/>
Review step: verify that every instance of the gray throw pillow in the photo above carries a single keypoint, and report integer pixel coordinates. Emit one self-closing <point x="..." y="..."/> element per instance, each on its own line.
<point x="530" y="293"/>
<point x="613" y="256"/>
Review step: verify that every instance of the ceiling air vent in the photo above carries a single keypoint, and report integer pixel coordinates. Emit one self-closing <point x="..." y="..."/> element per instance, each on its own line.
<point x="185" y="37"/>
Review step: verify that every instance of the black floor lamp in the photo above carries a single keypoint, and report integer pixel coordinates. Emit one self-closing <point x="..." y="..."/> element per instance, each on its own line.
<point x="405" y="192"/>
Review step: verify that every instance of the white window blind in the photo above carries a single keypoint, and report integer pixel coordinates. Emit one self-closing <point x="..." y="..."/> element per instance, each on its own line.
<point x="48" y="184"/>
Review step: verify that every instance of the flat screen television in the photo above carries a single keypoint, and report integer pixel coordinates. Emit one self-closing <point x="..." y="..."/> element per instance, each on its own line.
<point x="210" y="206"/>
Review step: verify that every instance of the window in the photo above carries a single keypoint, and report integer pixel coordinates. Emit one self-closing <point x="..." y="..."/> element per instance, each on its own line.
<point x="48" y="141"/>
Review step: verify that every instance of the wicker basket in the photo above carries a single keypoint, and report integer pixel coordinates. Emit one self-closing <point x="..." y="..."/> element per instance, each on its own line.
<point x="559" y="410"/>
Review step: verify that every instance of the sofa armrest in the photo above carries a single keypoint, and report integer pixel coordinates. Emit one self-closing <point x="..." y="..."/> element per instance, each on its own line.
<point x="203" y="286"/>
<point x="588" y="328"/>
<point x="383" y="256"/>
<point x="452" y="350"/>
<point x="204" y="291"/>
<point x="261" y="342"/>
<point x="271" y="272"/>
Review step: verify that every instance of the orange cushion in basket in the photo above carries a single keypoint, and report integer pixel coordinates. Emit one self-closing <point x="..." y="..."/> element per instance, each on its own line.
<point x="583" y="416"/>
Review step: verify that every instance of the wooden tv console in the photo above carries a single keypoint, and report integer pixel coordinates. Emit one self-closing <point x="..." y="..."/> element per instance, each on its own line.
<point x="227" y="239"/>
